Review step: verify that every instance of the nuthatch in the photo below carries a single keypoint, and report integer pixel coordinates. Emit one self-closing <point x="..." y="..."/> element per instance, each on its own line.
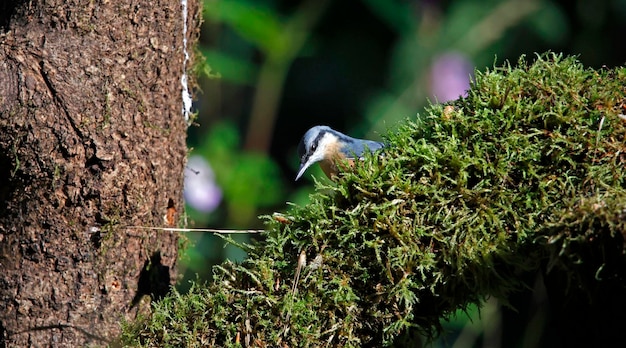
<point x="327" y="146"/>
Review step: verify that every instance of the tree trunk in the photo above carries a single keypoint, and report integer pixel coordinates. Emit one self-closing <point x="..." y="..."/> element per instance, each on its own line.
<point x="92" y="138"/>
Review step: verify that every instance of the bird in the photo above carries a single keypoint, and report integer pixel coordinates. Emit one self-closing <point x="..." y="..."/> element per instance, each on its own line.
<point x="329" y="147"/>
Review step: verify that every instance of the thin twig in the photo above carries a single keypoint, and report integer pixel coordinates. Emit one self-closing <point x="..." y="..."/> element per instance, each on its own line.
<point x="294" y="288"/>
<point x="211" y="230"/>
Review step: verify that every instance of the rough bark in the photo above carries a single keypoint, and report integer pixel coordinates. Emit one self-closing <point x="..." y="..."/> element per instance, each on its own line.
<point x="92" y="138"/>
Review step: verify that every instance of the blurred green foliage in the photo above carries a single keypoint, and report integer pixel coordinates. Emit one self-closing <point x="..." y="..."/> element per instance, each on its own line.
<point x="249" y="180"/>
<point x="257" y="23"/>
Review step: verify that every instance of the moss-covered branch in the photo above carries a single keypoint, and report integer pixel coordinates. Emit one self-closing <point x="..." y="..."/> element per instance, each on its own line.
<point x="526" y="171"/>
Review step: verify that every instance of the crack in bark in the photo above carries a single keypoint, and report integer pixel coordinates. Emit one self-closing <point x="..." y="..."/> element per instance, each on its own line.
<point x="59" y="100"/>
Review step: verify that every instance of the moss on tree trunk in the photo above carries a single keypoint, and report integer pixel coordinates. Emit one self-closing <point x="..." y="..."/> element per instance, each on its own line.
<point x="525" y="174"/>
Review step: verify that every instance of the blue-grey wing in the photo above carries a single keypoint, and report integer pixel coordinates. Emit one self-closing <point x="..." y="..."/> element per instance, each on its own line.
<point x="358" y="147"/>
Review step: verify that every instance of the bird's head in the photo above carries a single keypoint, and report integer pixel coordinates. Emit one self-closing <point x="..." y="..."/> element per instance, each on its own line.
<point x="316" y="145"/>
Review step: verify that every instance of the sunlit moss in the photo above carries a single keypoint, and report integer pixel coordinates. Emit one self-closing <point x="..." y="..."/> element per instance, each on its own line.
<point x="527" y="169"/>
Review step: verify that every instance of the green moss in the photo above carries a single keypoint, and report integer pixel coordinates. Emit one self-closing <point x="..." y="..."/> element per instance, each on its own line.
<point x="527" y="169"/>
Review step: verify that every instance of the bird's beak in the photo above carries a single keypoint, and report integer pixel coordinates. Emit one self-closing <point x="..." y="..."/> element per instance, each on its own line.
<point x="303" y="168"/>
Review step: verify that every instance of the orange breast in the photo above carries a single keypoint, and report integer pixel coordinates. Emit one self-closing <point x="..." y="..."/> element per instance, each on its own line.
<point x="334" y="159"/>
<point x="331" y="167"/>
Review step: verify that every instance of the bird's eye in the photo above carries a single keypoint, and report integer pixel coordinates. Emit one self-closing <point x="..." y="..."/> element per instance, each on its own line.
<point x="313" y="147"/>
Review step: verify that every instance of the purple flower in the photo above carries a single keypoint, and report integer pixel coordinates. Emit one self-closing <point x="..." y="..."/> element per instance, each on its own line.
<point x="201" y="191"/>
<point x="450" y="76"/>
